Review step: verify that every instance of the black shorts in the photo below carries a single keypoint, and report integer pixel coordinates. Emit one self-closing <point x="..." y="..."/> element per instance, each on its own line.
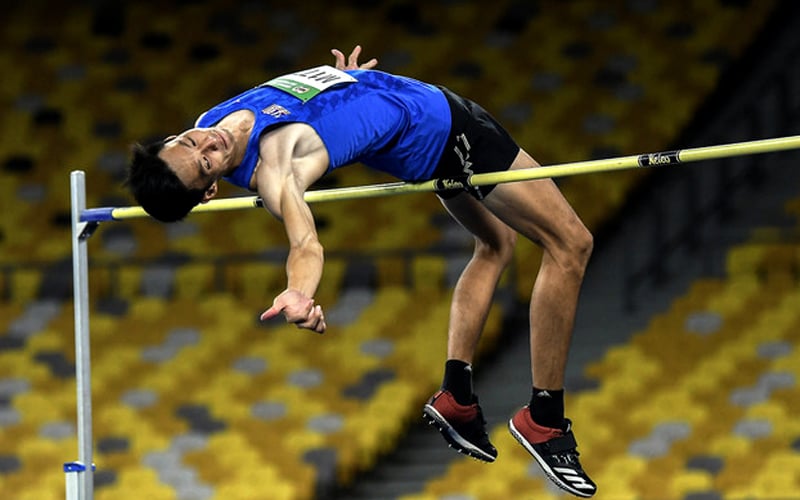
<point x="477" y="144"/>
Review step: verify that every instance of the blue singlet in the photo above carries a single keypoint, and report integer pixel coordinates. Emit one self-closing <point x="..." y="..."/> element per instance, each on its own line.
<point x="391" y="123"/>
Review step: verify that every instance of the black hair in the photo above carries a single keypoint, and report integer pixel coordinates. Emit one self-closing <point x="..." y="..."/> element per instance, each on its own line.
<point x="156" y="187"/>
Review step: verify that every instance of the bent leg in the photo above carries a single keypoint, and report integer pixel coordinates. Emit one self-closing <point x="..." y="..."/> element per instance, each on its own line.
<point x="474" y="291"/>
<point x="454" y="410"/>
<point x="538" y="210"/>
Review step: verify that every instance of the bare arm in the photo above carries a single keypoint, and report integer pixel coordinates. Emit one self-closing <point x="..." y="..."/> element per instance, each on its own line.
<point x="292" y="158"/>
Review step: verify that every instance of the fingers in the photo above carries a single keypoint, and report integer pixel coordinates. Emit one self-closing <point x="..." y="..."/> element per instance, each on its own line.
<point x="271" y="312"/>
<point x="311" y="318"/>
<point x="339" y="57"/>
<point x="315" y="320"/>
<point x="352" y="60"/>
<point x="369" y="64"/>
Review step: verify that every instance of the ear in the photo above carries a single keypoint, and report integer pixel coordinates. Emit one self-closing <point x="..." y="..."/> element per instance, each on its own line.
<point x="210" y="192"/>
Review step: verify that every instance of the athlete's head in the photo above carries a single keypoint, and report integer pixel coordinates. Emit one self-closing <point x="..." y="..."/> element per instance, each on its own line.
<point x="156" y="187"/>
<point x="168" y="178"/>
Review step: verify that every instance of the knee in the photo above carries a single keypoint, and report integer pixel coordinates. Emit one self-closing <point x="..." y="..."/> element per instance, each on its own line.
<point x="584" y="246"/>
<point x="499" y="249"/>
<point x="577" y="250"/>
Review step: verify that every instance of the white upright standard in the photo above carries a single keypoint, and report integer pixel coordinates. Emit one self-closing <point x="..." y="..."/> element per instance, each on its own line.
<point x="80" y="474"/>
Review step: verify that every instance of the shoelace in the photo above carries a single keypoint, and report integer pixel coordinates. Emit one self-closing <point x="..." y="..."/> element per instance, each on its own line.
<point x="568" y="458"/>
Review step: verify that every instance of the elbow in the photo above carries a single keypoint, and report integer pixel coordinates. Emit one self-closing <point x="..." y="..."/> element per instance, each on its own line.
<point x="309" y="247"/>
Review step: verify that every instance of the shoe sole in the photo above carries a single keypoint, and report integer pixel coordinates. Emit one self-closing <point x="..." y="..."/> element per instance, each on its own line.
<point x="453" y="438"/>
<point x="544" y="465"/>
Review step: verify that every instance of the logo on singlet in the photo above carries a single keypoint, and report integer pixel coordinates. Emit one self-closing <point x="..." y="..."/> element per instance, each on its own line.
<point x="275" y="111"/>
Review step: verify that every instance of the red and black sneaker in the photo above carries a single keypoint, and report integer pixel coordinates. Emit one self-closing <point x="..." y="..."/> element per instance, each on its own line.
<point x="462" y="426"/>
<point x="555" y="450"/>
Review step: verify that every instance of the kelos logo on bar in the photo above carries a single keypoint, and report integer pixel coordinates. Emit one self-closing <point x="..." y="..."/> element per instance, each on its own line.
<point x="658" y="159"/>
<point x="307" y="83"/>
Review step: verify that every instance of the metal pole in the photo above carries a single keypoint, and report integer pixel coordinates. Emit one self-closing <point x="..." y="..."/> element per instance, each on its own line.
<point x="80" y="279"/>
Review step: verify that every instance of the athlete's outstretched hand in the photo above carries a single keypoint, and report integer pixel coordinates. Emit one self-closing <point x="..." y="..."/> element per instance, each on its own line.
<point x="352" y="60"/>
<point x="297" y="309"/>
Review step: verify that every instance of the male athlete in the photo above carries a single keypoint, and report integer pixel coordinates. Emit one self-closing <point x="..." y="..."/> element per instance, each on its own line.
<point x="280" y="137"/>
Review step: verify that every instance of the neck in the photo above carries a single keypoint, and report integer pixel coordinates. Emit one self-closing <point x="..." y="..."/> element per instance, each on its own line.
<point x="240" y="125"/>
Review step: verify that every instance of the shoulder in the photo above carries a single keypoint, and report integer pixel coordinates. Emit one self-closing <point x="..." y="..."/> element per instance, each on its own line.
<point x="200" y="118"/>
<point x="292" y="146"/>
<point x="288" y="134"/>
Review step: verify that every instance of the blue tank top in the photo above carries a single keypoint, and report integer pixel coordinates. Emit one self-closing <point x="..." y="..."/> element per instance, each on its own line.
<point x="391" y="123"/>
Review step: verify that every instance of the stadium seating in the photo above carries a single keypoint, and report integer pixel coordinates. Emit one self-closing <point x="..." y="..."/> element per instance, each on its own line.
<point x="194" y="398"/>
<point x="708" y="388"/>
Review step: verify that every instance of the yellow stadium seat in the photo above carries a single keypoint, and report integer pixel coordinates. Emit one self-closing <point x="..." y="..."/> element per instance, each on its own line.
<point x="136" y="482"/>
<point x="25" y="284"/>
<point x="254" y="279"/>
<point x="194" y="280"/>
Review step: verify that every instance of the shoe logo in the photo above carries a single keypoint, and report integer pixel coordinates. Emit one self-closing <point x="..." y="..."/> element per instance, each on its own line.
<point x="575" y="479"/>
<point x="543" y="394"/>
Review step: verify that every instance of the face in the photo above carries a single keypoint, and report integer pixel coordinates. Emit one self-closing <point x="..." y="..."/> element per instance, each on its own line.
<point x="199" y="156"/>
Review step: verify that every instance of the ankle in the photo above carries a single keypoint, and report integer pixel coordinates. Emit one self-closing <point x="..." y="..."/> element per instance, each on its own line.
<point x="547" y="407"/>
<point x="458" y="380"/>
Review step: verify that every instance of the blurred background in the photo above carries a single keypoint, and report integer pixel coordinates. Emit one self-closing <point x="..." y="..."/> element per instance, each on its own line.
<point x="682" y="382"/>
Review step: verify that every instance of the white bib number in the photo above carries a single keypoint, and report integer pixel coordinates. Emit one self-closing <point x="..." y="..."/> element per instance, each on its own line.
<point x="307" y="83"/>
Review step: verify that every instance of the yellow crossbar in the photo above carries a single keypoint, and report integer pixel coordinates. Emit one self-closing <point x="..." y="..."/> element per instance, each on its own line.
<point x="562" y="170"/>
